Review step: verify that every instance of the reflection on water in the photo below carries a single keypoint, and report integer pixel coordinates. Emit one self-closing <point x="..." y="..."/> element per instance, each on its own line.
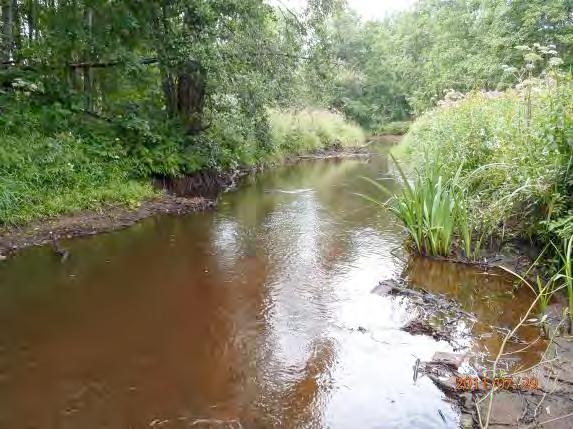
<point x="258" y="313"/>
<point x="491" y="296"/>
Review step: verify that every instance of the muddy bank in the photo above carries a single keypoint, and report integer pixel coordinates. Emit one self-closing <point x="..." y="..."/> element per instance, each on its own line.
<point x="180" y="196"/>
<point x="528" y="394"/>
<point x="331" y="153"/>
<point x="94" y="222"/>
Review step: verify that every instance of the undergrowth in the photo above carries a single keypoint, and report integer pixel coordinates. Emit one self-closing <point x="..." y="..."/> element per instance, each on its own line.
<point x="496" y="167"/>
<point x="46" y="176"/>
<point x="56" y="159"/>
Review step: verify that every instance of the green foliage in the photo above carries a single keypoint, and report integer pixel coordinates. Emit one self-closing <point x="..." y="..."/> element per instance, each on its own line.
<point x="431" y="209"/>
<point x="54" y="160"/>
<point x="390" y="70"/>
<point x="310" y="129"/>
<point x="512" y="171"/>
<point x="45" y="176"/>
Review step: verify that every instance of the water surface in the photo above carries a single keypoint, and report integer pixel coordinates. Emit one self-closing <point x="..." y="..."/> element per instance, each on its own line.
<point x="256" y="315"/>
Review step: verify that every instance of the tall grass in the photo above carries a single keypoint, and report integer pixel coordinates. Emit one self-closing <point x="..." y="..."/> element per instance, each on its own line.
<point x="431" y="209"/>
<point x="46" y="176"/>
<point x="310" y="129"/>
<point x="513" y="164"/>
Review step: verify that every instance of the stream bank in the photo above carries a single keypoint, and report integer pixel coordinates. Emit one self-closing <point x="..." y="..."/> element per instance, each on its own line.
<point x="179" y="196"/>
<point x="531" y="391"/>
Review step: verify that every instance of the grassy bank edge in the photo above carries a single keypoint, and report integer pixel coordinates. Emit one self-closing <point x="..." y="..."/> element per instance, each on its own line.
<point x="49" y="176"/>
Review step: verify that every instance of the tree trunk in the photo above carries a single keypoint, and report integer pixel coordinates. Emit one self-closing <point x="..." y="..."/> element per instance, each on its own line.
<point x="88" y="71"/>
<point x="191" y="96"/>
<point x="7" y="30"/>
<point x="31" y="18"/>
<point x="16" y="36"/>
<point x="169" y="92"/>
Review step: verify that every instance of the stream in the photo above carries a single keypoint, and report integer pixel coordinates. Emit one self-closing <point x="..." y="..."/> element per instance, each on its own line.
<point x="256" y="315"/>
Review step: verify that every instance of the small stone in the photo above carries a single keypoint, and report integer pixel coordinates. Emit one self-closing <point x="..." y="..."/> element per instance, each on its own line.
<point x="2" y="257"/>
<point x="452" y="360"/>
<point x="385" y="287"/>
<point x="445" y="384"/>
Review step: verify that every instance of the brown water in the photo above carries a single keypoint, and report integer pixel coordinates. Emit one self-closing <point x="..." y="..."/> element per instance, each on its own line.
<point x="243" y="317"/>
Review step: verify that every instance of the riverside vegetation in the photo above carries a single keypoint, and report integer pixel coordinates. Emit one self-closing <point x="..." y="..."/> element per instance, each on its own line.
<point x="53" y="168"/>
<point x="97" y="98"/>
<point x="494" y="169"/>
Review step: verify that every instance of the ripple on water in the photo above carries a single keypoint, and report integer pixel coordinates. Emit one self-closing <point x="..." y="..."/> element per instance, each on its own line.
<point x="258" y="314"/>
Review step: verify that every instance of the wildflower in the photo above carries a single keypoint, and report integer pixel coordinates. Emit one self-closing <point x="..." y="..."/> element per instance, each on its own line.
<point x="555" y="61"/>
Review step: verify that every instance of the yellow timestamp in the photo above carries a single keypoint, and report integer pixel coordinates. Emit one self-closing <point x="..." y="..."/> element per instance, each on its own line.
<point x="500" y="383"/>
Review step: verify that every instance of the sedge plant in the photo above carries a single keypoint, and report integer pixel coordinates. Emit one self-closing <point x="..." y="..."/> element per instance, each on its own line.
<point x="431" y="209"/>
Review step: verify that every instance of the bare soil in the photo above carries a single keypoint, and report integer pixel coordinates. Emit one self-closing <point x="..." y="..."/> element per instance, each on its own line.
<point x="107" y="219"/>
